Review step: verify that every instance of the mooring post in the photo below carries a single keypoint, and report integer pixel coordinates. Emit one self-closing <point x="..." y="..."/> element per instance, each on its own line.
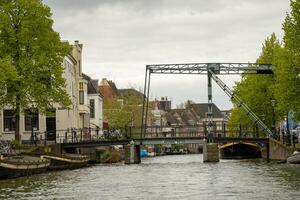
<point x="137" y="158"/>
<point x="132" y="152"/>
<point x="210" y="152"/>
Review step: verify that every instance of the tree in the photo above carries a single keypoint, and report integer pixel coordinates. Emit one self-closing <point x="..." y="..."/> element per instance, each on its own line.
<point x="123" y="112"/>
<point x="257" y="91"/>
<point x="288" y="71"/>
<point x="31" y="55"/>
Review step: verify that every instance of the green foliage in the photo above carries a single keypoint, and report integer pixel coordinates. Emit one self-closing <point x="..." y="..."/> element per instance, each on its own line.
<point x="8" y="73"/>
<point x="16" y="144"/>
<point x="105" y="156"/>
<point x="31" y="56"/>
<point x="176" y="147"/>
<point x="257" y="91"/>
<point x="284" y="87"/>
<point x="123" y="113"/>
<point x="288" y="71"/>
<point x="36" y="52"/>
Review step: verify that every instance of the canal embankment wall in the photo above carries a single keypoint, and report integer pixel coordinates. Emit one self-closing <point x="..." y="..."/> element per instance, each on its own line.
<point x="277" y="150"/>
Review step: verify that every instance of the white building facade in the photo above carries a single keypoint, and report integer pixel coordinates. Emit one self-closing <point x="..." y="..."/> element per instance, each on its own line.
<point x="60" y="123"/>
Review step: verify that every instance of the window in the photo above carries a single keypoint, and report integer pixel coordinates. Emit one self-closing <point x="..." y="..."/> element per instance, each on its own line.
<point x="191" y="122"/>
<point x="81" y="97"/>
<point x="80" y="86"/>
<point x="219" y="126"/>
<point x="92" y="108"/>
<point x="31" y="120"/>
<point x="9" y="120"/>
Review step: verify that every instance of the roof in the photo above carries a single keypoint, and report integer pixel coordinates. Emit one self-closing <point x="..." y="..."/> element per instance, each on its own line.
<point x="108" y="88"/>
<point x="191" y="115"/>
<point x="174" y="116"/>
<point x="201" y="109"/>
<point x="129" y="92"/>
<point x="92" y="87"/>
<point x="170" y="118"/>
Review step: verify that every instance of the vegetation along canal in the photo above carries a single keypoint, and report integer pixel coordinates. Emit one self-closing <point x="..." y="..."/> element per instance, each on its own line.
<point x="166" y="177"/>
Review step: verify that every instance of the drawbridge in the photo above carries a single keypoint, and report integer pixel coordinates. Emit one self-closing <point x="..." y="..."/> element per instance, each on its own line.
<point x="211" y="70"/>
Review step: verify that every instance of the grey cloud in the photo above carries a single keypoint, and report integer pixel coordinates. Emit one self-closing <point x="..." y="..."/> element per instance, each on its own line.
<point x="121" y="36"/>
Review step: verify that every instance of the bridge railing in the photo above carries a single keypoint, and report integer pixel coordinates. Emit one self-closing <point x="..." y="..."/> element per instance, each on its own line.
<point x="170" y="131"/>
<point x="198" y="130"/>
<point x="133" y="132"/>
<point x="75" y="136"/>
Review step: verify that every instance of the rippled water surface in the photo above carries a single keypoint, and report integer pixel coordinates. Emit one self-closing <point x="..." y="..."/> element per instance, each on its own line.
<point x="167" y="177"/>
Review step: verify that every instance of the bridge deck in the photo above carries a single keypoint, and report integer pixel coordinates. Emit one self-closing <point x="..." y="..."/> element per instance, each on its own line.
<point x="166" y="140"/>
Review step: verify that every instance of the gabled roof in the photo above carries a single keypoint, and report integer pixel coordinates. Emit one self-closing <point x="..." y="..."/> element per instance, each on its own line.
<point x="170" y="118"/>
<point x="201" y="109"/>
<point x="113" y="86"/>
<point x="92" y="87"/>
<point x="108" y="88"/>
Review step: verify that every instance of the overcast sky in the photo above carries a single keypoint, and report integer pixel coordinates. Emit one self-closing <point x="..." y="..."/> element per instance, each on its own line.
<point x="120" y="37"/>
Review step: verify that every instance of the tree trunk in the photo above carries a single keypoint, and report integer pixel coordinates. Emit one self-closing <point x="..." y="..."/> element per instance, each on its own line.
<point x="17" y="117"/>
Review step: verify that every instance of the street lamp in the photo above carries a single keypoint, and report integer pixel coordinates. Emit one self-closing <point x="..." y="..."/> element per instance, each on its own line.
<point x="32" y="110"/>
<point x="273" y="102"/>
<point x="263" y="119"/>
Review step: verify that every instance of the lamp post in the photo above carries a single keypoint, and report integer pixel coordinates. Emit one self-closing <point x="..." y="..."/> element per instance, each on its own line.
<point x="263" y="119"/>
<point x="273" y="101"/>
<point x="33" y="137"/>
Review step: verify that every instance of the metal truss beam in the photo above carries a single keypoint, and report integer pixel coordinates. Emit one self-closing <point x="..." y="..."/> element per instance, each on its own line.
<point x="218" y="68"/>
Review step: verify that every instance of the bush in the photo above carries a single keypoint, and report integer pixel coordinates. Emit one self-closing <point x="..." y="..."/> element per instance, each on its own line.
<point x="105" y="156"/>
<point x="15" y="144"/>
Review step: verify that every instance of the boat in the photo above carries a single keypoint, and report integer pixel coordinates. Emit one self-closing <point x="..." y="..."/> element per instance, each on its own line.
<point x="151" y="154"/>
<point x="19" y="165"/>
<point x="143" y="153"/>
<point x="67" y="161"/>
<point x="239" y="150"/>
<point x="294" y="158"/>
<point x="170" y="151"/>
<point x="150" y="151"/>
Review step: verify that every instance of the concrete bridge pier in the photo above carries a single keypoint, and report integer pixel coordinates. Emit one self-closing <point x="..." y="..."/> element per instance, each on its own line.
<point x="210" y="152"/>
<point x="132" y="153"/>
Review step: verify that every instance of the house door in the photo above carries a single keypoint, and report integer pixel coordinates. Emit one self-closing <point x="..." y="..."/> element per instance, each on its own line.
<point x="51" y="125"/>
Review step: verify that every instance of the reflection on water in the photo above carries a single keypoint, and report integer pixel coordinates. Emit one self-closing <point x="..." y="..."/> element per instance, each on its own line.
<point x="167" y="177"/>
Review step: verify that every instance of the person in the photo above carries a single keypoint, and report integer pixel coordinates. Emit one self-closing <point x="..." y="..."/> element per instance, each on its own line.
<point x="75" y="135"/>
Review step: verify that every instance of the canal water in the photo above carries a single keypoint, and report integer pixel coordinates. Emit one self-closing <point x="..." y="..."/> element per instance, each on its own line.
<point x="166" y="177"/>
